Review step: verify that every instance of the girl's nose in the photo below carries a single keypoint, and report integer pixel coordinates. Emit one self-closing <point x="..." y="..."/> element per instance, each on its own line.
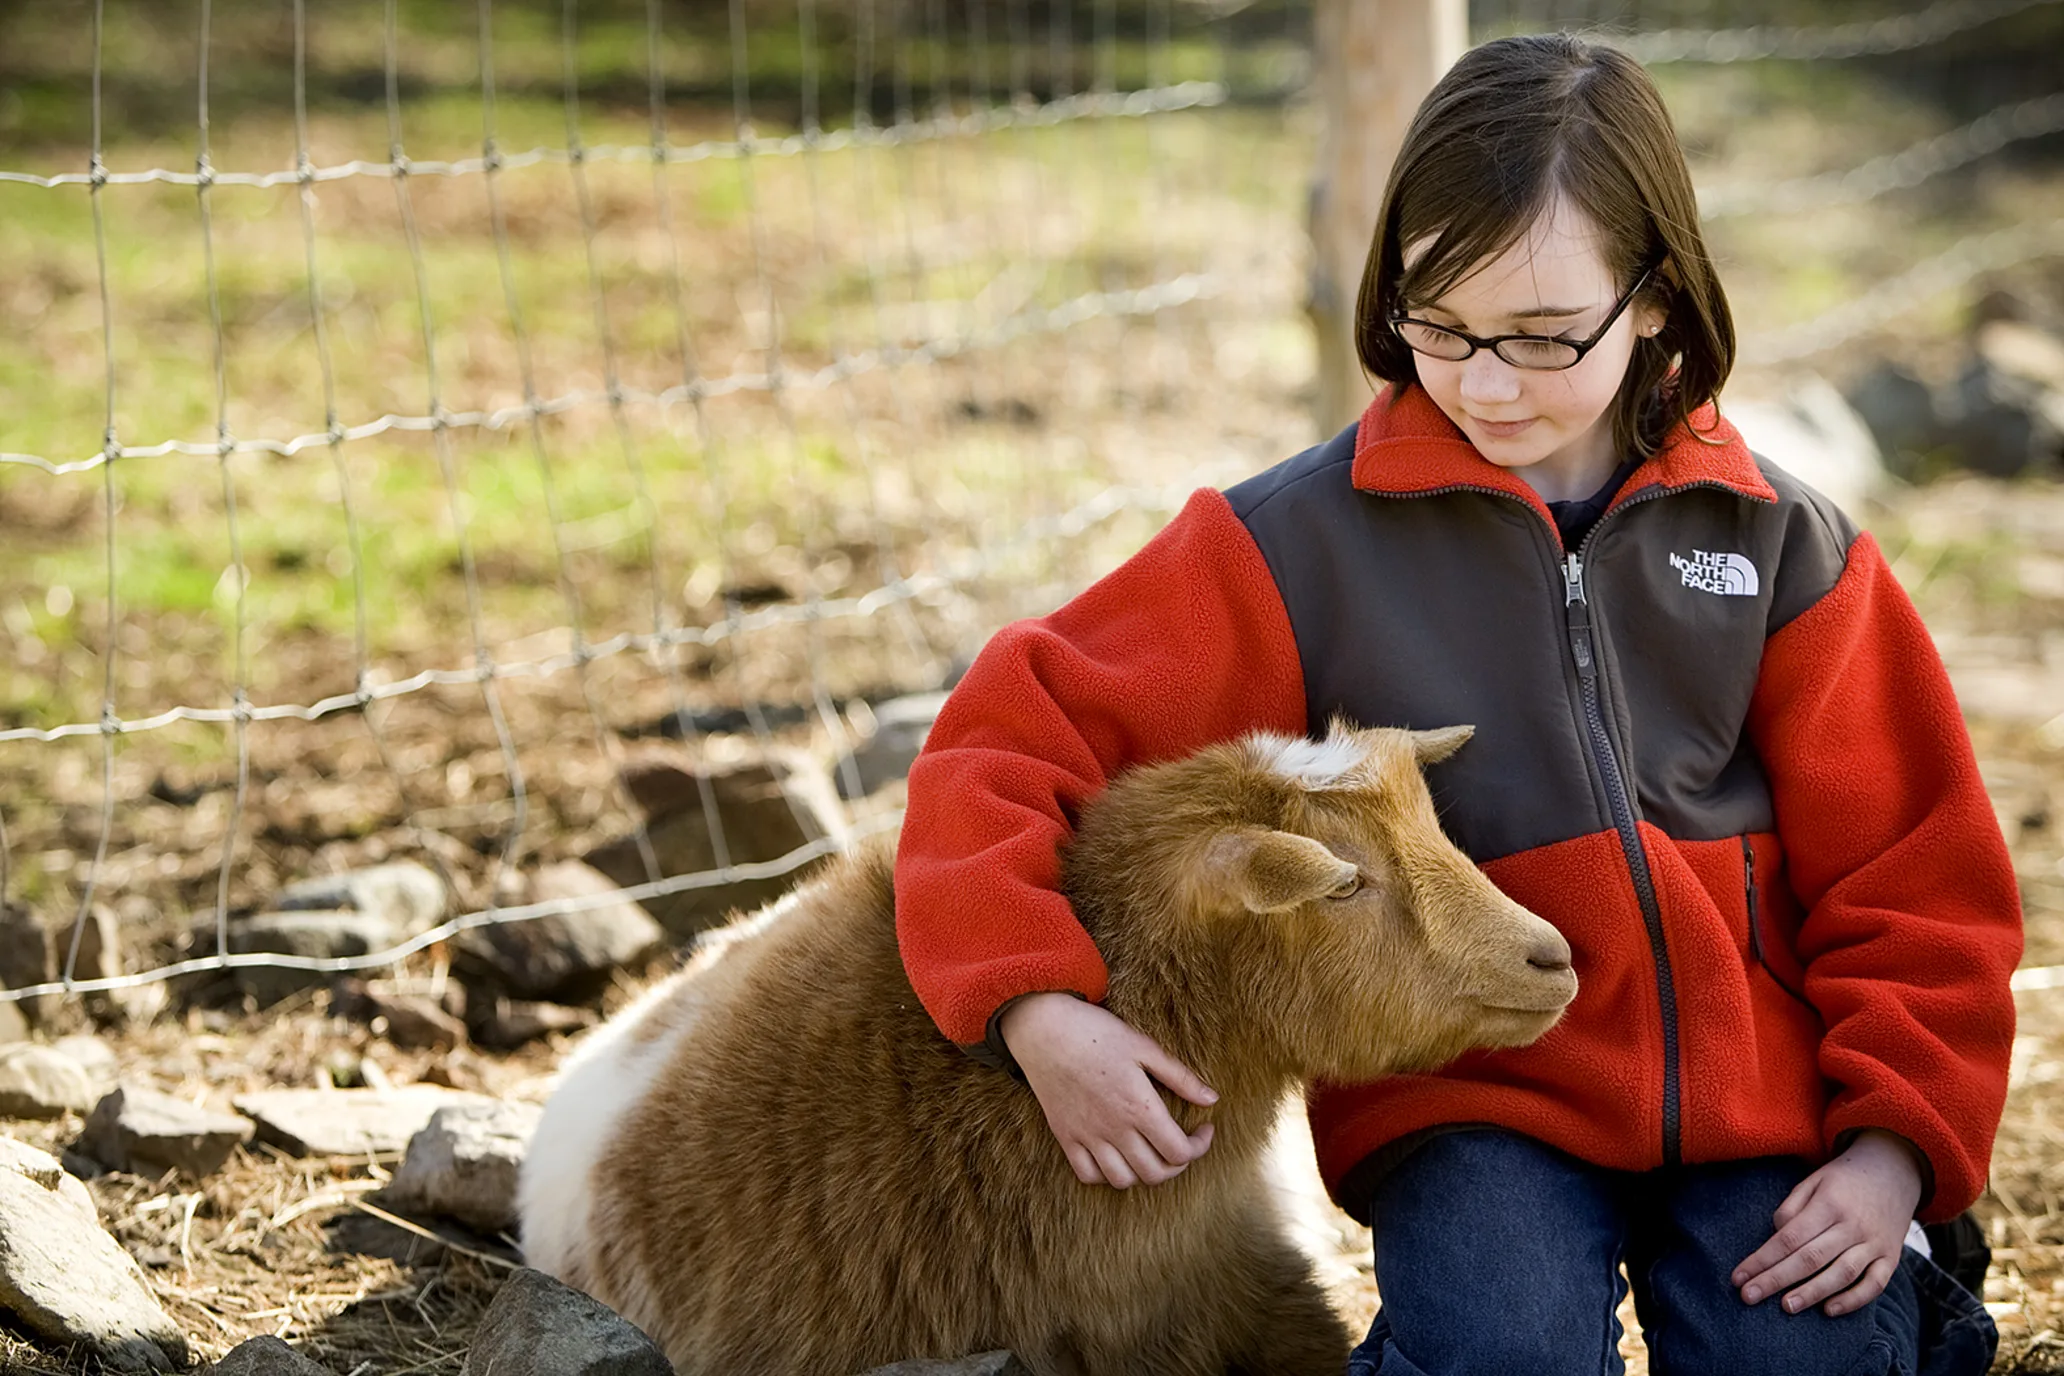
<point x="1488" y="379"/>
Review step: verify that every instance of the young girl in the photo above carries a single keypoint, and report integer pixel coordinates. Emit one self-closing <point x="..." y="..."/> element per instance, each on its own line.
<point x="1714" y="746"/>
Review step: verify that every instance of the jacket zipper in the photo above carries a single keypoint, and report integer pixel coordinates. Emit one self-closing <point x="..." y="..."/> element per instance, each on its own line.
<point x="1748" y="860"/>
<point x="1577" y="620"/>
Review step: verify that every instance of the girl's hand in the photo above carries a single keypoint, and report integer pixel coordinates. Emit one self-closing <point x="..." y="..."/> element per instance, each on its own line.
<point x="1840" y="1231"/>
<point x="1090" y="1071"/>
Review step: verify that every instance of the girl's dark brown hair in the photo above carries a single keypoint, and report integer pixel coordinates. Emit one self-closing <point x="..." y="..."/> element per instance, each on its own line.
<point x="1514" y="123"/>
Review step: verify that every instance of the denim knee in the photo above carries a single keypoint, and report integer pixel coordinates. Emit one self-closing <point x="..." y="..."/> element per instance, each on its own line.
<point x="1495" y="1254"/>
<point x="1506" y="1352"/>
<point x="1924" y="1324"/>
<point x="1723" y="1336"/>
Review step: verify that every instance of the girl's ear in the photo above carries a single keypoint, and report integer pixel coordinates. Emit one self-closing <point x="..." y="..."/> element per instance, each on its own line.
<point x="1272" y="871"/>
<point x="1651" y="316"/>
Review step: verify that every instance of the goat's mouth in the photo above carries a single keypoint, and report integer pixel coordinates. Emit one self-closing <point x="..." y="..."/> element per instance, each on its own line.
<point x="1550" y="991"/>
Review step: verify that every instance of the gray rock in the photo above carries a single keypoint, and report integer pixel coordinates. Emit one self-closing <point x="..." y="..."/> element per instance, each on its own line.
<point x="2001" y="425"/>
<point x="409" y="897"/>
<point x="983" y="1364"/>
<point x="100" y="946"/>
<point x="317" y="934"/>
<point x="79" y="1164"/>
<point x="25" y="960"/>
<point x="1902" y="413"/>
<point x="366" y="1236"/>
<point x="566" y="954"/>
<point x="2023" y="349"/>
<point x="2009" y="401"/>
<point x="417" y="1023"/>
<point x="765" y="810"/>
<point x="24" y="948"/>
<point x="900" y="727"/>
<point x="538" y="1327"/>
<point x="146" y="1133"/>
<point x="514" y="1022"/>
<point x="464" y="1165"/>
<point x="347" y="1122"/>
<point x="41" y="1167"/>
<point x="95" y="1057"/>
<point x="266" y="1356"/>
<point x="100" y="956"/>
<point x="414" y="1021"/>
<point x="39" y="1081"/>
<point x="66" y="1280"/>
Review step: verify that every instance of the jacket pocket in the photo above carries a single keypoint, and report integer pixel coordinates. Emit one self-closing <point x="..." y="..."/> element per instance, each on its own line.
<point x="1756" y="946"/>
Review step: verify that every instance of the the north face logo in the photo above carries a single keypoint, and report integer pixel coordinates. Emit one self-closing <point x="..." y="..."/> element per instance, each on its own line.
<point x="1731" y="575"/>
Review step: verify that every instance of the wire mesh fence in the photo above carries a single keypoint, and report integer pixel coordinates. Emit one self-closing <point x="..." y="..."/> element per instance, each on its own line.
<point x="418" y="414"/>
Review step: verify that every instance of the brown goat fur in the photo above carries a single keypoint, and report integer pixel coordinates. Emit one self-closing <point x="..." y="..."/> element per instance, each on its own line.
<point x="807" y="1178"/>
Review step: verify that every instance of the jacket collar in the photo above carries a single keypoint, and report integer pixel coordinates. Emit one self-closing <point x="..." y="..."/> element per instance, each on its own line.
<point x="1406" y="446"/>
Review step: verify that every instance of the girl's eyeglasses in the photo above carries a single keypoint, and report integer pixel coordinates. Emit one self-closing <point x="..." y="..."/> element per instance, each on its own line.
<point x="1520" y="350"/>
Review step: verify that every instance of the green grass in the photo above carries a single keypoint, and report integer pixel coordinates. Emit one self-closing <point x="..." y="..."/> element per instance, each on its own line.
<point x="971" y="228"/>
<point x="172" y="531"/>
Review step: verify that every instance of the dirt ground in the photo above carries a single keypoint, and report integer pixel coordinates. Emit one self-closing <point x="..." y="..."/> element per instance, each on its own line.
<point x="290" y="1247"/>
<point x="984" y="474"/>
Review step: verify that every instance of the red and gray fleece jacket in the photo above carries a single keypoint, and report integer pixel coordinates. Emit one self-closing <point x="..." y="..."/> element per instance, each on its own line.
<point x="1714" y="746"/>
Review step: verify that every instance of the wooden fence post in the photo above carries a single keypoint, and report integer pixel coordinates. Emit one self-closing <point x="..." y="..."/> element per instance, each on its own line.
<point x="1376" y="60"/>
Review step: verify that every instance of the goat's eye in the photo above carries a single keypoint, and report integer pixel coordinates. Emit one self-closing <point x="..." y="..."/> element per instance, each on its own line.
<point x="1348" y="887"/>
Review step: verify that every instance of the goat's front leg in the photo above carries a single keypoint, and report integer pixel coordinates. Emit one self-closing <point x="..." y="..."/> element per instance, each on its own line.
<point x="1293" y="1328"/>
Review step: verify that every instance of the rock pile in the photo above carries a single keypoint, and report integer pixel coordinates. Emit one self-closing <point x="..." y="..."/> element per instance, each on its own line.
<point x="2001" y="414"/>
<point x="64" y="1278"/>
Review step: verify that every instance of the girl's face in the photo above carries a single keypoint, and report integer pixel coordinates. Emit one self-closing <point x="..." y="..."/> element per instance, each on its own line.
<point x="1553" y="428"/>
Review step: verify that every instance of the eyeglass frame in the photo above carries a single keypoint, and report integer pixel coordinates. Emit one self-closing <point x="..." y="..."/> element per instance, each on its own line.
<point x="1583" y="346"/>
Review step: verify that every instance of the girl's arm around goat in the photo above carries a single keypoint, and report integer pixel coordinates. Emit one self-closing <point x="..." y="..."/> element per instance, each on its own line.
<point x="1185" y="644"/>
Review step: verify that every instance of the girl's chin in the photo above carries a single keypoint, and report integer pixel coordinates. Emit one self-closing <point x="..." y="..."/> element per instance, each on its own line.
<point x="1512" y="455"/>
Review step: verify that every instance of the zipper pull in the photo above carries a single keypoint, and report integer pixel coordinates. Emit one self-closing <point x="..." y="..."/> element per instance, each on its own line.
<point x="1578" y="613"/>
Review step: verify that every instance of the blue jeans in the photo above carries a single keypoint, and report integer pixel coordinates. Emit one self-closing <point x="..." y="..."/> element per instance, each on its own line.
<point x="1497" y="1255"/>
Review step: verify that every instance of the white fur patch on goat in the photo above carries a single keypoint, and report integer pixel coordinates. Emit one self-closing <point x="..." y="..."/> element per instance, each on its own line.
<point x="1308" y="763"/>
<point x="607" y="1076"/>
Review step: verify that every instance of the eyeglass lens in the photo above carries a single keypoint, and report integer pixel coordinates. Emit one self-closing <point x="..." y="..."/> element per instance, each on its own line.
<point x="1520" y="353"/>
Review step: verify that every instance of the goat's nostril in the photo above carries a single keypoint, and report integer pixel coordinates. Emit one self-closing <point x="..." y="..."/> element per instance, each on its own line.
<point x="1552" y="954"/>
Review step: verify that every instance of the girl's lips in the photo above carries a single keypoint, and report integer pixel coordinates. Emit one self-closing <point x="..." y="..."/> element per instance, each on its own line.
<point x="1503" y="429"/>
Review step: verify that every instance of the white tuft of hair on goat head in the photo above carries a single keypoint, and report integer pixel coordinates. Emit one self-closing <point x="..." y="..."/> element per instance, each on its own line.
<point x="782" y="1167"/>
<point x="1308" y="763"/>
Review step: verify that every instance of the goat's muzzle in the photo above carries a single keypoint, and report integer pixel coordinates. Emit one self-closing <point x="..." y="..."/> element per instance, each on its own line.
<point x="1545" y="983"/>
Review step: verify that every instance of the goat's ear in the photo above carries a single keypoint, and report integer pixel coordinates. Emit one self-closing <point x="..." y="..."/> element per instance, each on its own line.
<point x="1431" y="747"/>
<point x="1272" y="871"/>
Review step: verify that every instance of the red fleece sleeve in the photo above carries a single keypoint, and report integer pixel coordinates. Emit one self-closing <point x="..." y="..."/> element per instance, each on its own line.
<point x="1184" y="644"/>
<point x="1913" y="922"/>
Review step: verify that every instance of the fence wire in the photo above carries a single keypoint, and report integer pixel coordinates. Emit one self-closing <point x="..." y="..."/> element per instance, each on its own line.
<point x="693" y="393"/>
<point x="1862" y="38"/>
<point x="972" y="103"/>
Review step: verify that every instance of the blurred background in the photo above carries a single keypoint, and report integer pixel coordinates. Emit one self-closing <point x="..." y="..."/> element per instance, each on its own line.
<point x="504" y="444"/>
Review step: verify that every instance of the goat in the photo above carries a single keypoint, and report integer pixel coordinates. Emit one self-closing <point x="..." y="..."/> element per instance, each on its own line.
<point x="774" y="1162"/>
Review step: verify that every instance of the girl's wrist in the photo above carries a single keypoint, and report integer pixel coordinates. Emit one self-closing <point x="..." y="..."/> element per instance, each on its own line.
<point x="1898" y="1156"/>
<point x="1028" y="1008"/>
<point x="1886" y="1139"/>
